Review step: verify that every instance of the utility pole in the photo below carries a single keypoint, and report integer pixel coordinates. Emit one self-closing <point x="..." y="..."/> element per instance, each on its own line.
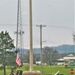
<point x="41" y="26"/>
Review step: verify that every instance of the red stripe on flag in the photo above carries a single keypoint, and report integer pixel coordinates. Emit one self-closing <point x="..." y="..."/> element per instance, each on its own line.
<point x="18" y="61"/>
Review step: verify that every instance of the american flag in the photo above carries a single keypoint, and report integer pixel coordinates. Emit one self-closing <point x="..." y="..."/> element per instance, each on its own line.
<point x="18" y="61"/>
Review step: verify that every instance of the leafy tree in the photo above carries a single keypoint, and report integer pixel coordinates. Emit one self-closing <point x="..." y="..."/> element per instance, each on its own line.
<point x="55" y="56"/>
<point x="74" y="38"/>
<point x="6" y="43"/>
<point x="10" y="58"/>
<point x="49" y="55"/>
<point x="36" y="57"/>
<point x="27" y="57"/>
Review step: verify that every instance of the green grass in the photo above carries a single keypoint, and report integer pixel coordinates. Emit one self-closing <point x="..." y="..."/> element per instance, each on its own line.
<point x="46" y="69"/>
<point x="54" y="69"/>
<point x="7" y="72"/>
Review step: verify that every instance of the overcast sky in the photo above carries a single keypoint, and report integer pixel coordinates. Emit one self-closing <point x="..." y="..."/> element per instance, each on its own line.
<point x="57" y="15"/>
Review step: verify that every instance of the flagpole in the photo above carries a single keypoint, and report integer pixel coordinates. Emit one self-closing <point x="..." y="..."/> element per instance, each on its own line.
<point x="31" y="46"/>
<point x="31" y="72"/>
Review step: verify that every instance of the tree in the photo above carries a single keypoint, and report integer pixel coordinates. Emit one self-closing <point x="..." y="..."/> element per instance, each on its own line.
<point x="6" y="43"/>
<point x="26" y="56"/>
<point x="55" y="56"/>
<point x="50" y="55"/>
<point x="74" y="38"/>
<point x="10" y="58"/>
<point x="36" y="57"/>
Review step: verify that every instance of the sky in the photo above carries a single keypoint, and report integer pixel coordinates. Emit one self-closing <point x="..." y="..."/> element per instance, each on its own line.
<point x="57" y="15"/>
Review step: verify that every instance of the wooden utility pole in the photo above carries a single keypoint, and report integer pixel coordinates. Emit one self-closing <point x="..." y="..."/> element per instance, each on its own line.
<point x="41" y="45"/>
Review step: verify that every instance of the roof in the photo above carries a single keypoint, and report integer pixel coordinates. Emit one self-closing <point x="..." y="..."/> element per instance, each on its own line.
<point x="69" y="57"/>
<point x="61" y="59"/>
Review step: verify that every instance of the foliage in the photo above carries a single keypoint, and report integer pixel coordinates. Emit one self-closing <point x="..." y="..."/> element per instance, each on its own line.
<point x="36" y="57"/>
<point x="10" y="58"/>
<point x="26" y="57"/>
<point x="74" y="37"/>
<point x="6" y="41"/>
<point x="6" y="44"/>
<point x="49" y="55"/>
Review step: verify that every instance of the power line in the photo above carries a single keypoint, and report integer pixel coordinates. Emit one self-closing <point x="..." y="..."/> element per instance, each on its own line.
<point x="60" y="27"/>
<point x="64" y="27"/>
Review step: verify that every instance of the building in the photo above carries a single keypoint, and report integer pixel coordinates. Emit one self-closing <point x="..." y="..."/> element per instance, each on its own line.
<point x="67" y="60"/>
<point x="60" y="61"/>
<point x="38" y="62"/>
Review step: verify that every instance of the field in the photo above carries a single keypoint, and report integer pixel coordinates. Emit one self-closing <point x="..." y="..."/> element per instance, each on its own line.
<point x="54" y="69"/>
<point x="46" y="70"/>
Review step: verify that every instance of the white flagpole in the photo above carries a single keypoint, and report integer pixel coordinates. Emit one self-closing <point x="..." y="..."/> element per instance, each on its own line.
<point x="31" y="51"/>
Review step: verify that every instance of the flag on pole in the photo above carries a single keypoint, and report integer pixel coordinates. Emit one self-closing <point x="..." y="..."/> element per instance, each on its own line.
<point x="18" y="61"/>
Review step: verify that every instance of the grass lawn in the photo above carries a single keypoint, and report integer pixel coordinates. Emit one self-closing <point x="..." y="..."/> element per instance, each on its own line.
<point x="54" y="69"/>
<point x="46" y="69"/>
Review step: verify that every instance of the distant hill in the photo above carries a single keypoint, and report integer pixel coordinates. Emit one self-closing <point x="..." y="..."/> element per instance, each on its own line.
<point x="35" y="51"/>
<point x="61" y="49"/>
<point x="65" y="48"/>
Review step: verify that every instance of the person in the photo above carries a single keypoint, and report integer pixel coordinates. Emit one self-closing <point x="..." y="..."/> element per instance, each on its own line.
<point x="20" y="72"/>
<point x="11" y="73"/>
<point x="14" y="73"/>
<point x="17" y="72"/>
